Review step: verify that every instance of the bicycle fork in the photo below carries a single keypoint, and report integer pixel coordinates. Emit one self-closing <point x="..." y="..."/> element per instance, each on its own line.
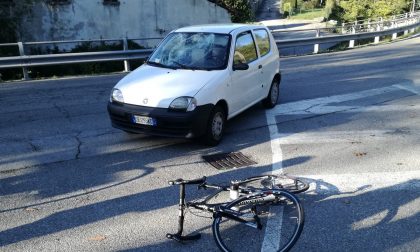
<point x="178" y="235"/>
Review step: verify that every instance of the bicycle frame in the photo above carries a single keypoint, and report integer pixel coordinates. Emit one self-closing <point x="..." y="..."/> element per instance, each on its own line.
<point x="230" y="208"/>
<point x="217" y="209"/>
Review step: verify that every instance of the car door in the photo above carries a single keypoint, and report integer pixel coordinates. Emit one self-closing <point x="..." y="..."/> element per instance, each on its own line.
<point x="245" y="83"/>
<point x="262" y="40"/>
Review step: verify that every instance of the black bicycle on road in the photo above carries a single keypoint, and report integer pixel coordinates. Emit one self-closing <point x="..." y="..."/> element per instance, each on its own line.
<point x="255" y="214"/>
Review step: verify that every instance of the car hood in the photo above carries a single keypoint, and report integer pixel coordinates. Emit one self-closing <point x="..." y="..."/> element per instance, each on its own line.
<point x="157" y="87"/>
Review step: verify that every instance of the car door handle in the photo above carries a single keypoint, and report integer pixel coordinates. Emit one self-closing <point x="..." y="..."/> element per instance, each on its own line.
<point x="260" y="66"/>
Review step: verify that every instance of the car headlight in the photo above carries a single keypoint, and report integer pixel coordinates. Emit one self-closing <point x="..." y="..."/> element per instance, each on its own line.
<point x="116" y="95"/>
<point x="184" y="103"/>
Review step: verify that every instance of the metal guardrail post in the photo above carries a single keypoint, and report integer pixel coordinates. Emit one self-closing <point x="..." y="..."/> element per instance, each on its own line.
<point x="412" y="16"/>
<point x="22" y="53"/>
<point x="316" y="46"/>
<point x="393" y="25"/>
<point x="378" y="28"/>
<point x="406" y="23"/>
<point x="353" y="31"/>
<point x="126" y="62"/>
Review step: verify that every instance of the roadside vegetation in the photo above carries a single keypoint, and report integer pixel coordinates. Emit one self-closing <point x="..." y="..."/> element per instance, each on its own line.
<point x="240" y="10"/>
<point x="344" y="11"/>
<point x="308" y="14"/>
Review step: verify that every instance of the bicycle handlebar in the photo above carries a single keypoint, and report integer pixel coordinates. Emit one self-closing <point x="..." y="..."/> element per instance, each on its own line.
<point x="181" y="181"/>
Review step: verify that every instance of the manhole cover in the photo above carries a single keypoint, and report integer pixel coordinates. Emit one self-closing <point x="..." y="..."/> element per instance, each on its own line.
<point x="225" y="161"/>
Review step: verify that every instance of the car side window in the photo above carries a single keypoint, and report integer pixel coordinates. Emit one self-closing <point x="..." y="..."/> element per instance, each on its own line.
<point x="245" y="50"/>
<point x="263" y="41"/>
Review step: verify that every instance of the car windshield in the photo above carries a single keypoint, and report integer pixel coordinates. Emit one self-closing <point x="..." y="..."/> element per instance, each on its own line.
<point x="195" y="51"/>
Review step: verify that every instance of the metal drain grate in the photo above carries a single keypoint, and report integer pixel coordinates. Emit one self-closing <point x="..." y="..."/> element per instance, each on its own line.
<point x="225" y="161"/>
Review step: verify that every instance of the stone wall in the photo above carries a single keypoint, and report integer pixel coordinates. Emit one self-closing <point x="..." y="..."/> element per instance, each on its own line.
<point x="94" y="19"/>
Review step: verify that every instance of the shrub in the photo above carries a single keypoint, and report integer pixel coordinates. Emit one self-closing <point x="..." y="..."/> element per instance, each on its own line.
<point x="240" y="10"/>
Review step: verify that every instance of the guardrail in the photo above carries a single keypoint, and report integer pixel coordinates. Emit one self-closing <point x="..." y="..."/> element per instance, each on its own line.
<point x="379" y="24"/>
<point x="25" y="61"/>
<point x="349" y="37"/>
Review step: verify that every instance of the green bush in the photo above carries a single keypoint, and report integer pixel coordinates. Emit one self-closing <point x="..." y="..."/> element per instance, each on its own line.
<point x="240" y="10"/>
<point x="364" y="9"/>
<point x="333" y="10"/>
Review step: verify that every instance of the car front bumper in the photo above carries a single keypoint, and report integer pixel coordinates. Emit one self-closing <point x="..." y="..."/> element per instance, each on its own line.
<point x="168" y="122"/>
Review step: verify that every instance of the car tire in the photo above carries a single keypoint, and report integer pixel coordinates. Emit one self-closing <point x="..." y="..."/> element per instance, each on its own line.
<point x="273" y="95"/>
<point x="215" y="126"/>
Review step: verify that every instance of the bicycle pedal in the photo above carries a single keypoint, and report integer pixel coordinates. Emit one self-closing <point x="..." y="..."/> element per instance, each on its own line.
<point x="182" y="238"/>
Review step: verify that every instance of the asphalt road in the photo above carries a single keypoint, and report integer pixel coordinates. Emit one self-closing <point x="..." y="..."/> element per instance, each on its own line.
<point x="349" y="122"/>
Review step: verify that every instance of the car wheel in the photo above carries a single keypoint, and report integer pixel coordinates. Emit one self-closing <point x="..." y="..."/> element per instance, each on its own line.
<point x="215" y="126"/>
<point x="273" y="95"/>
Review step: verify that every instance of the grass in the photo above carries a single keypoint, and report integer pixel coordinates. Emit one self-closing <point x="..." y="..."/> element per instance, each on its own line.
<point x="308" y="14"/>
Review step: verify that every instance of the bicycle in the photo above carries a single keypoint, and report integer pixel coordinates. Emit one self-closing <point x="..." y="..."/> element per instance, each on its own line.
<point x="243" y="208"/>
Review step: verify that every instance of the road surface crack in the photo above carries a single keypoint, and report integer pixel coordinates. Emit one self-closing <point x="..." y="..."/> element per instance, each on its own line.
<point x="34" y="147"/>
<point x="312" y="115"/>
<point x="79" y="145"/>
<point x="62" y="110"/>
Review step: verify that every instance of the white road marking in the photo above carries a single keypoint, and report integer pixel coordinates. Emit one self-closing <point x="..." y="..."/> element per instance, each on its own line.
<point x="277" y="167"/>
<point x="338" y="184"/>
<point x="410" y="88"/>
<point x="338" y="136"/>
<point x="273" y="228"/>
<point x="313" y="105"/>
<point x="272" y="232"/>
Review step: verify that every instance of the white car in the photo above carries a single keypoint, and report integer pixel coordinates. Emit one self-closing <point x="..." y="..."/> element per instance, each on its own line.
<point x="198" y="78"/>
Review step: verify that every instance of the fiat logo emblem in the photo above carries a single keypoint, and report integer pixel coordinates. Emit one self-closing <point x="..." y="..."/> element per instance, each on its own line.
<point x="145" y="101"/>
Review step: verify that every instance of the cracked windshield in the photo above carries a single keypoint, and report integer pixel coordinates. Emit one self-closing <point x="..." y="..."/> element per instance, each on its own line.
<point x="196" y="51"/>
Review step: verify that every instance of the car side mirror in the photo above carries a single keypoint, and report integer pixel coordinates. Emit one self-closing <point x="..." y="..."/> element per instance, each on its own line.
<point x="240" y="66"/>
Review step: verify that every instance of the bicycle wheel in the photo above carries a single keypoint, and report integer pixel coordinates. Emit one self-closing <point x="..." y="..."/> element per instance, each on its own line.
<point x="274" y="221"/>
<point x="288" y="183"/>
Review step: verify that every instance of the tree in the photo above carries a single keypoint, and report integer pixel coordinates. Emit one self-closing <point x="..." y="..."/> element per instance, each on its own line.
<point x="239" y="9"/>
<point x="10" y="19"/>
<point x="333" y="10"/>
<point x="383" y="8"/>
<point x="365" y="9"/>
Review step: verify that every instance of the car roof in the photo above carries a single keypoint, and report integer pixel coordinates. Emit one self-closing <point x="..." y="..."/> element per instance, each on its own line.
<point x="217" y="28"/>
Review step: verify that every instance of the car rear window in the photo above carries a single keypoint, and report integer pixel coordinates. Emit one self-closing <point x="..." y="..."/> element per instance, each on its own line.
<point x="263" y="41"/>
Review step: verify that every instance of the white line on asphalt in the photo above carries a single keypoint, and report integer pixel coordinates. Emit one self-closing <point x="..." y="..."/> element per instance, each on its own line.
<point x="340" y="136"/>
<point x="333" y="183"/>
<point x="410" y="88"/>
<point x="277" y="167"/>
<point x="311" y="104"/>
<point x="337" y="185"/>
<point x="272" y="233"/>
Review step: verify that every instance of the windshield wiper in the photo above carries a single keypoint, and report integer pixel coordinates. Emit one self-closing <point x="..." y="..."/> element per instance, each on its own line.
<point x="183" y="66"/>
<point x="152" y="63"/>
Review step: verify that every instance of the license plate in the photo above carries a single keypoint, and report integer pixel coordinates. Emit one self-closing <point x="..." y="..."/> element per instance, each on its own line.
<point x="145" y="120"/>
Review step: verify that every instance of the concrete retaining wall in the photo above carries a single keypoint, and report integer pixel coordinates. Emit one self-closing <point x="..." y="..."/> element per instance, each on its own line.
<point x="92" y="19"/>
